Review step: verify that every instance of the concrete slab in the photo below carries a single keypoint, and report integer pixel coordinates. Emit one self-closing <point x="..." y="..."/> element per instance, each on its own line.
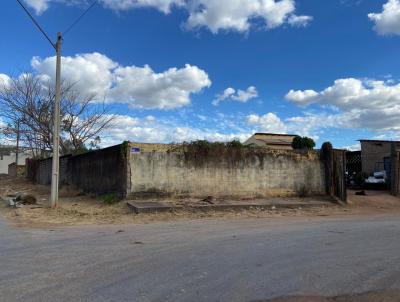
<point x="158" y="207"/>
<point x="151" y="207"/>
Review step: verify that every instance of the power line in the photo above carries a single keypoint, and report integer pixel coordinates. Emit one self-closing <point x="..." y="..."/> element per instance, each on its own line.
<point x="36" y="23"/>
<point x="80" y="18"/>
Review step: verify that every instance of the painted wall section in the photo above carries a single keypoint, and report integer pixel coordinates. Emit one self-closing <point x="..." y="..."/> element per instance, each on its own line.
<point x="7" y="159"/>
<point x="253" y="176"/>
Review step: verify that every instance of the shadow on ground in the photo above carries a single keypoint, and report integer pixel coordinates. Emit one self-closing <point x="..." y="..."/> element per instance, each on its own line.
<point x="377" y="296"/>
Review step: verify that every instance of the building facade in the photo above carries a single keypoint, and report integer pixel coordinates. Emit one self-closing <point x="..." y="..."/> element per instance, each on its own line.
<point x="376" y="155"/>
<point x="271" y="141"/>
<point x="8" y="156"/>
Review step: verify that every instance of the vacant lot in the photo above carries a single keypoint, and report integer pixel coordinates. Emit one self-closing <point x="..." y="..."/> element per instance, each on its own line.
<point x="78" y="208"/>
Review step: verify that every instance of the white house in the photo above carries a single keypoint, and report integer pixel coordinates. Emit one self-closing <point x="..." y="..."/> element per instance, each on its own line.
<point x="8" y="155"/>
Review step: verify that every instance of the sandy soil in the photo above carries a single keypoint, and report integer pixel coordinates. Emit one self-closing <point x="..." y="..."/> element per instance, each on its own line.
<point x="76" y="208"/>
<point x="380" y="296"/>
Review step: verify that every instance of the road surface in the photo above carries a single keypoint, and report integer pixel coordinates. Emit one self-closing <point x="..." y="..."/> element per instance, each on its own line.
<point x="203" y="260"/>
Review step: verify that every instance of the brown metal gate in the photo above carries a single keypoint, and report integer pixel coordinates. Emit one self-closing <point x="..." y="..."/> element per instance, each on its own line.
<point x="335" y="171"/>
<point x="395" y="171"/>
<point x="339" y="175"/>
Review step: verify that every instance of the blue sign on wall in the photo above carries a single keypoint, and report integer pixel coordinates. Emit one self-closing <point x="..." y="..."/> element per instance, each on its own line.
<point x="135" y="150"/>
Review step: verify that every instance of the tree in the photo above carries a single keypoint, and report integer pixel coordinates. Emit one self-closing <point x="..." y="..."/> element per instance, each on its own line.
<point x="303" y="143"/>
<point x="29" y="101"/>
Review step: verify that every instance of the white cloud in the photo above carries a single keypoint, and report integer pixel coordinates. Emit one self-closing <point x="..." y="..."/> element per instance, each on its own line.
<point x="215" y="15"/>
<point x="4" y="81"/>
<point x="139" y="87"/>
<point x="269" y="122"/>
<point x="300" y="97"/>
<point x="355" y="147"/>
<point x="370" y="104"/>
<point x="91" y="73"/>
<point x="240" y="96"/>
<point x="162" y="5"/>
<point x="307" y="125"/>
<point x="39" y="6"/>
<point x="158" y="131"/>
<point x="142" y="87"/>
<point x="237" y="15"/>
<point x="299" y="21"/>
<point x="388" y="21"/>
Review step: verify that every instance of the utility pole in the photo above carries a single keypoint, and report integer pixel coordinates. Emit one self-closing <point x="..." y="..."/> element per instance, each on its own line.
<point x="55" y="177"/>
<point x="56" y="128"/>
<point x="17" y="149"/>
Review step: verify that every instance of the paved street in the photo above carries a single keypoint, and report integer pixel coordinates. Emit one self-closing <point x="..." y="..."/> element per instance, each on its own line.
<point x="204" y="260"/>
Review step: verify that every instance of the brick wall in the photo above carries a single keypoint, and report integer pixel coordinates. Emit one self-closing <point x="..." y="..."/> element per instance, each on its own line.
<point x="373" y="153"/>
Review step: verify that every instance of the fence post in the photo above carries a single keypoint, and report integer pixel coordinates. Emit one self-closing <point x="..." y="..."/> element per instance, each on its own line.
<point x="394" y="186"/>
<point x="344" y="184"/>
<point x="327" y="157"/>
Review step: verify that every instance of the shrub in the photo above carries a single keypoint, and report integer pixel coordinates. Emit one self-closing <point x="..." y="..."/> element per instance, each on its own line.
<point x="303" y="143"/>
<point x="110" y="198"/>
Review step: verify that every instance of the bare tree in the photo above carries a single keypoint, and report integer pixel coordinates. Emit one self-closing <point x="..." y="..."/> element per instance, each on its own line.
<point x="28" y="100"/>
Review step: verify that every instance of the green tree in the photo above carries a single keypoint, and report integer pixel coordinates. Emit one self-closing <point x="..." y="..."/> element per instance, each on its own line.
<point x="303" y="143"/>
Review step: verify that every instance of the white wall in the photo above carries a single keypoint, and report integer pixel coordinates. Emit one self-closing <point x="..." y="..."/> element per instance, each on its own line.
<point x="5" y="160"/>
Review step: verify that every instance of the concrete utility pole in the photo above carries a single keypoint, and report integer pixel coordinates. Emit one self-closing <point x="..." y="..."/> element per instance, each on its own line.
<point x="17" y="150"/>
<point x="56" y="128"/>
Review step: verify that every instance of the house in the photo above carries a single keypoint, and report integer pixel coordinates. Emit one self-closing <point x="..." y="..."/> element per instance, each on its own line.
<point x="271" y="141"/>
<point x="376" y="155"/>
<point x="8" y="156"/>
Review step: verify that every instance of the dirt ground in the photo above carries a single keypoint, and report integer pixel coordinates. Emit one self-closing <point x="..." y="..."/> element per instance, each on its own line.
<point x="77" y="208"/>
<point x="379" y="296"/>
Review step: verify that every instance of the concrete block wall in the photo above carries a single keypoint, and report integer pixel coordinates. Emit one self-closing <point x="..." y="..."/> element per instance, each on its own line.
<point x="100" y="172"/>
<point x="271" y="175"/>
<point x="15" y="170"/>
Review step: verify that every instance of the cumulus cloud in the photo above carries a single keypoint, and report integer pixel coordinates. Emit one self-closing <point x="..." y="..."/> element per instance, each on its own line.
<point x="91" y="73"/>
<point x="215" y="15"/>
<point x="370" y="104"/>
<point x="142" y="87"/>
<point x="388" y="21"/>
<point x="269" y="122"/>
<point x="39" y="6"/>
<point x="311" y="125"/>
<point x="242" y="96"/>
<point x="237" y="15"/>
<point x="162" y="5"/>
<point x="139" y="87"/>
<point x="4" y="81"/>
<point x="151" y="130"/>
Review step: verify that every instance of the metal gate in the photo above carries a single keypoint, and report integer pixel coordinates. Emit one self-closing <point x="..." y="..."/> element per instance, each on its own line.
<point x="395" y="173"/>
<point x="339" y="175"/>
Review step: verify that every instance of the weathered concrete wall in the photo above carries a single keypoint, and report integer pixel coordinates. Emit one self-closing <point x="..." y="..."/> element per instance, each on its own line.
<point x="39" y="171"/>
<point x="271" y="174"/>
<point x="15" y="170"/>
<point x="100" y="172"/>
<point x="373" y="153"/>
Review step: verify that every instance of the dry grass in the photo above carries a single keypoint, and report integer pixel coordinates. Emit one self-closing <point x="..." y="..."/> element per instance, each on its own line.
<point x="79" y="209"/>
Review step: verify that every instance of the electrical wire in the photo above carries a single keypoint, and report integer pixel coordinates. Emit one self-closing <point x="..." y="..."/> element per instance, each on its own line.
<point x="80" y="17"/>
<point x="37" y="24"/>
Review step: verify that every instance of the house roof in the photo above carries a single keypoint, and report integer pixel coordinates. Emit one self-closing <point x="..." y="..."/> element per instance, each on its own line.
<point x="275" y="134"/>
<point x="377" y="141"/>
<point x="275" y="142"/>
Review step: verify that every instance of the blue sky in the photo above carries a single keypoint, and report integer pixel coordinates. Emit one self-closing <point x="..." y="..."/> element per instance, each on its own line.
<point x="176" y="70"/>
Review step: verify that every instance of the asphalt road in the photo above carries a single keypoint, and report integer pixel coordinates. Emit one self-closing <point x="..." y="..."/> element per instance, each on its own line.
<point x="207" y="260"/>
